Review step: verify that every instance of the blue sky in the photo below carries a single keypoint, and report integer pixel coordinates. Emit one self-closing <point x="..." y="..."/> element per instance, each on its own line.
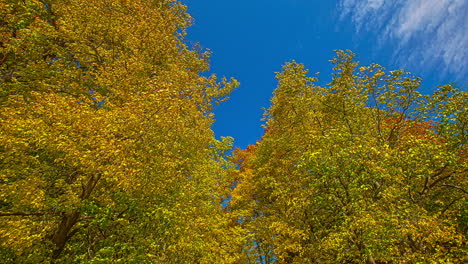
<point x="251" y="39"/>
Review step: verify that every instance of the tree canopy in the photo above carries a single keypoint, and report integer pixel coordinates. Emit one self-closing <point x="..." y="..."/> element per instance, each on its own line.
<point x="107" y="153"/>
<point x="363" y="170"/>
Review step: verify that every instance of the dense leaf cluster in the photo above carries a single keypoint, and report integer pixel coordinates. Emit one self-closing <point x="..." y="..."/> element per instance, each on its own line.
<point x="363" y="170"/>
<point x="107" y="153"/>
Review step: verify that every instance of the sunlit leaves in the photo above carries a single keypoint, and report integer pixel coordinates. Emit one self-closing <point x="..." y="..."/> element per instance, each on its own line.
<point x="107" y="153"/>
<point x="363" y="170"/>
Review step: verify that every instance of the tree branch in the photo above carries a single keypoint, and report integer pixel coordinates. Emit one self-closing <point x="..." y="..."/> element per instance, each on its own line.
<point x="452" y="186"/>
<point x="23" y="214"/>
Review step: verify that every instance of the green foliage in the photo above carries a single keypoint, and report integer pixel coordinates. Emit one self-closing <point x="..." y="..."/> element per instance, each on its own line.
<point x="107" y="155"/>
<point x="364" y="170"/>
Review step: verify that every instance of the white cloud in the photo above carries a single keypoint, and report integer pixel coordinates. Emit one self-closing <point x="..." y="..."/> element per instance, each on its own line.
<point x="430" y="33"/>
<point x="359" y="9"/>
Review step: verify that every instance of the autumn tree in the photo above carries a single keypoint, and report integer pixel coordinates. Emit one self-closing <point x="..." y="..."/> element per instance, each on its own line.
<point x="362" y="170"/>
<point x="107" y="155"/>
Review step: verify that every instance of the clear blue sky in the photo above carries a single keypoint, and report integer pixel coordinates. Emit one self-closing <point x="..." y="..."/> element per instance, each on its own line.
<point x="251" y="39"/>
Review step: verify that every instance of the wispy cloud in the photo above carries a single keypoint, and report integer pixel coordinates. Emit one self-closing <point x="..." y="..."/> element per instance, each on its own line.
<point x="430" y="33"/>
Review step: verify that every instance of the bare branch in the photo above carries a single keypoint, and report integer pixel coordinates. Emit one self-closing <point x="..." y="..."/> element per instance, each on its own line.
<point x="452" y="186"/>
<point x="23" y="214"/>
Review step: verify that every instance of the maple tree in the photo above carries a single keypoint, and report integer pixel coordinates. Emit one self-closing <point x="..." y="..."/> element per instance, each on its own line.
<point x="107" y="154"/>
<point x="363" y="170"/>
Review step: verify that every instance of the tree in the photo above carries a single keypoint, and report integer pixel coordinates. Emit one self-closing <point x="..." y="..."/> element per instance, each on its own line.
<point x="363" y="170"/>
<point x="107" y="152"/>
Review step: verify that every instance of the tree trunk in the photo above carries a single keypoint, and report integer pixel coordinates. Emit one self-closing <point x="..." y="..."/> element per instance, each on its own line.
<point x="61" y="236"/>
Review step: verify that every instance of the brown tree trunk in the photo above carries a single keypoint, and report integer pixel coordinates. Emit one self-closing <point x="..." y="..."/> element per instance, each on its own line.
<point x="61" y="236"/>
